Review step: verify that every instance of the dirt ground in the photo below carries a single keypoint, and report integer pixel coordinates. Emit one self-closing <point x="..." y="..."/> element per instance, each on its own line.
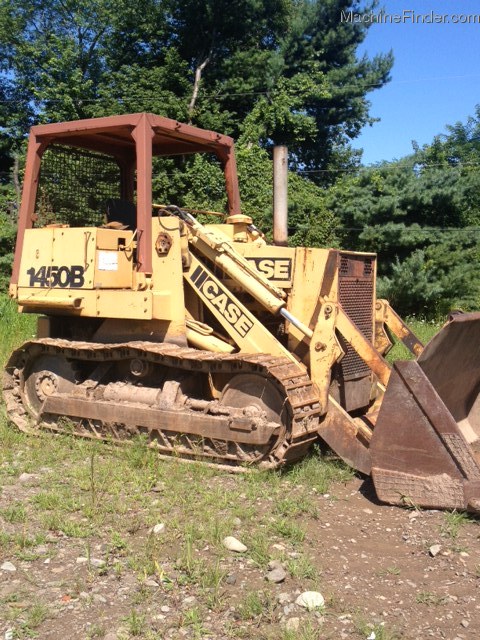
<point x="377" y="567"/>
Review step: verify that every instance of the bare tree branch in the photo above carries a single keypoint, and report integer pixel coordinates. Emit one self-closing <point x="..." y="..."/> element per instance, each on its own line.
<point x="196" y="87"/>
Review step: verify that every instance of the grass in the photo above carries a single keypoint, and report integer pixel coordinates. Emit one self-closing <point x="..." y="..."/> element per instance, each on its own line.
<point x="318" y="472"/>
<point x="211" y="581"/>
<point x="15" y="327"/>
<point x="293" y="507"/>
<point x="93" y="492"/>
<point x="36" y="614"/>
<point x="259" y="547"/>
<point x="89" y="491"/>
<point x="307" y="630"/>
<point x="25" y="618"/>
<point x="302" y="568"/>
<point x="14" y="513"/>
<point x="289" y="530"/>
<point x="254" y="605"/>
<point x="429" y="598"/>
<point x="95" y="631"/>
<point x="135" y="623"/>
<point x="389" y="571"/>
<point x="379" y="631"/>
<point x="424" y="330"/>
<point x="453" y="522"/>
<point x="193" y="618"/>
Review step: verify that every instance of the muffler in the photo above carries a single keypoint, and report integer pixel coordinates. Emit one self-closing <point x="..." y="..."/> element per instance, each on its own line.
<point x="425" y="448"/>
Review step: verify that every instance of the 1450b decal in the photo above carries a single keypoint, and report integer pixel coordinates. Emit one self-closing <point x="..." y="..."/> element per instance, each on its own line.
<point x="57" y="277"/>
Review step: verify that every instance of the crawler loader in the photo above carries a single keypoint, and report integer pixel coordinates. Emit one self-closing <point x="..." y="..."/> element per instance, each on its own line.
<point x="213" y="344"/>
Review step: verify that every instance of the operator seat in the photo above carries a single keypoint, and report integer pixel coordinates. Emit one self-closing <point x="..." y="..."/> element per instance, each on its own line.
<point x="121" y="212"/>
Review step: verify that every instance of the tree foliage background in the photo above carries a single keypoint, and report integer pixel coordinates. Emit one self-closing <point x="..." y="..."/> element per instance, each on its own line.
<point x="422" y="215"/>
<point x="265" y="72"/>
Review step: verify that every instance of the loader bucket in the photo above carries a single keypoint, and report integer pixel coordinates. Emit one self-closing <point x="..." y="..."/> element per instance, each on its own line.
<point x="425" y="448"/>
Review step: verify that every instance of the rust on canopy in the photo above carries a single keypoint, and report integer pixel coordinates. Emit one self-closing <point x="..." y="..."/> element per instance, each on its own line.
<point x="132" y="140"/>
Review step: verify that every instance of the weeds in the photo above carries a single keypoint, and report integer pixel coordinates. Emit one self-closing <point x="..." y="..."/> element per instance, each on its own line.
<point x="428" y="598"/>
<point x="14" y="513"/>
<point x="56" y="522"/>
<point x="292" y="507"/>
<point x="389" y="571"/>
<point x="453" y="522"/>
<point x="318" y="472"/>
<point x="377" y="631"/>
<point x="17" y="327"/>
<point x="251" y="606"/>
<point x="211" y="580"/>
<point x="409" y="504"/>
<point x="95" y="631"/>
<point x="288" y="529"/>
<point x="302" y="568"/>
<point x="146" y="562"/>
<point x="117" y="543"/>
<point x="308" y="630"/>
<point x="206" y="573"/>
<point x="93" y="492"/>
<point x="58" y="500"/>
<point x="136" y="623"/>
<point x="193" y="618"/>
<point x="140" y="456"/>
<point x="423" y="330"/>
<point x="259" y="548"/>
<point x="34" y="617"/>
<point x="93" y="481"/>
<point x="142" y="595"/>
<point x="187" y="563"/>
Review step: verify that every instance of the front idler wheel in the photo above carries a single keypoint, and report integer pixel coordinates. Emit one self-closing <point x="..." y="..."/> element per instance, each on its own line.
<point x="47" y="375"/>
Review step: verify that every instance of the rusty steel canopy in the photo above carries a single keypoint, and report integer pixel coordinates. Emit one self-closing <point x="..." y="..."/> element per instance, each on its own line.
<point x="114" y="135"/>
<point x="133" y="140"/>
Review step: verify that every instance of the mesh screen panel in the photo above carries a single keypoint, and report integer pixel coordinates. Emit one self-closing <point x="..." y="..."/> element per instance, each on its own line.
<point x="74" y="187"/>
<point x="356" y="288"/>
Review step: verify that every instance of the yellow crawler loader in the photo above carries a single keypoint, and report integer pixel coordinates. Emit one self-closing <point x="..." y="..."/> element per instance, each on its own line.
<point x="213" y="344"/>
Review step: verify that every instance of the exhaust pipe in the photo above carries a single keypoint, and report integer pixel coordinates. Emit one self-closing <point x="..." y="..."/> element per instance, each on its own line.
<point x="280" y="196"/>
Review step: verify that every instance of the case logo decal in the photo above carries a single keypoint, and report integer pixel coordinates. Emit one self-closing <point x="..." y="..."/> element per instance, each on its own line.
<point x="273" y="268"/>
<point x="221" y="300"/>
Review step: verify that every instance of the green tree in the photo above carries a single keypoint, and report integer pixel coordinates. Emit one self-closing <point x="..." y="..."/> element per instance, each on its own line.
<point x="263" y="71"/>
<point x="202" y="187"/>
<point x="322" y="44"/>
<point x="7" y="239"/>
<point x="276" y="71"/>
<point x="422" y="215"/>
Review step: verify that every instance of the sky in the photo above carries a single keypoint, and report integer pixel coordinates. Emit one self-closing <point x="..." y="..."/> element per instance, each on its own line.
<point x="435" y="78"/>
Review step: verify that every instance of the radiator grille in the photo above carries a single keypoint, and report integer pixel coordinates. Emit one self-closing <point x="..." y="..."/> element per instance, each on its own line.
<point x="355" y="291"/>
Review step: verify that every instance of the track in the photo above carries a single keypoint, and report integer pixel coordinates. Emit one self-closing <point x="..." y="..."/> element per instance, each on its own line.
<point x="228" y="409"/>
